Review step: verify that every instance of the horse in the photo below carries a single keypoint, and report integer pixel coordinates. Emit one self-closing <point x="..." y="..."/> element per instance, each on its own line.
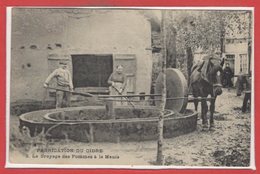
<point x="205" y="80"/>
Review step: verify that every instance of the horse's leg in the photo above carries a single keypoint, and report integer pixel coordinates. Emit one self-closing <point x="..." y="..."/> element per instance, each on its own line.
<point x="212" y="110"/>
<point x="204" y="110"/>
<point x="196" y="102"/>
<point x="195" y="95"/>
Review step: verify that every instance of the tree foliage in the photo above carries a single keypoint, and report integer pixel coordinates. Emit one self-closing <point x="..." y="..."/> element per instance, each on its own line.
<point x="203" y="31"/>
<point x="206" y="29"/>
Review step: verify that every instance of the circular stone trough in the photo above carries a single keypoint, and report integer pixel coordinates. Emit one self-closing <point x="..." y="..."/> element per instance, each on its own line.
<point x="93" y="124"/>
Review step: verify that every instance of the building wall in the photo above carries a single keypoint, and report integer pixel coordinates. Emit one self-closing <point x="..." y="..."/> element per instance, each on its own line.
<point x="39" y="34"/>
<point x="237" y="49"/>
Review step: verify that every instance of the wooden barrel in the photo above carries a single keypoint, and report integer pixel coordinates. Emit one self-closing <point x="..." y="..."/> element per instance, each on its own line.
<point x="176" y="87"/>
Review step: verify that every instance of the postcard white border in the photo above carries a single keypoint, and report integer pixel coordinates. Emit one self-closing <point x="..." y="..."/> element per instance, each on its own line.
<point x="8" y="68"/>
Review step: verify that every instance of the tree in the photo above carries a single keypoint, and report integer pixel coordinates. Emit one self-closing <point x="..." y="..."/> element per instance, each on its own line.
<point x="160" y="158"/>
<point x="205" y="30"/>
<point x="170" y="41"/>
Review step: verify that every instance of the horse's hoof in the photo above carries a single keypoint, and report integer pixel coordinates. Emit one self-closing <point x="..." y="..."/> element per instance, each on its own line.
<point x="212" y="126"/>
<point x="205" y="127"/>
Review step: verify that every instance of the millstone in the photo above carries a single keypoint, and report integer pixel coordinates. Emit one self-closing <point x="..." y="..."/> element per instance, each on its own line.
<point x="176" y="86"/>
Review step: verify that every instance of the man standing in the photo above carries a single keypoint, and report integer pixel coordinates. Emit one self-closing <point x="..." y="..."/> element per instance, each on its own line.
<point x="241" y="81"/>
<point x="64" y="82"/>
<point x="228" y="74"/>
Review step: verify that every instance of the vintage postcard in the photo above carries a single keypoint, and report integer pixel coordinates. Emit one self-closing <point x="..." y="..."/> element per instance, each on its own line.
<point x="130" y="87"/>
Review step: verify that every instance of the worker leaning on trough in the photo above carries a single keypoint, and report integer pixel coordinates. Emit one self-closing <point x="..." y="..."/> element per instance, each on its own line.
<point x="64" y="82"/>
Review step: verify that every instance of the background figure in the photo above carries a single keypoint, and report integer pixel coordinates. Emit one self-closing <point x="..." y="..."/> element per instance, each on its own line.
<point x="64" y="82"/>
<point x="117" y="82"/>
<point x="241" y="81"/>
<point x="247" y="98"/>
<point x="228" y="74"/>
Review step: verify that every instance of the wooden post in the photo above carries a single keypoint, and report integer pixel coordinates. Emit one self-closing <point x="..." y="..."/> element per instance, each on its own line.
<point x="160" y="157"/>
<point x="222" y="36"/>
<point x="91" y="133"/>
<point x="171" y="34"/>
<point x="189" y="62"/>
<point x="110" y="108"/>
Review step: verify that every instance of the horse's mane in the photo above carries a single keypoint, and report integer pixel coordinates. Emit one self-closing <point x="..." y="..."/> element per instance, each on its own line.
<point x="197" y="66"/>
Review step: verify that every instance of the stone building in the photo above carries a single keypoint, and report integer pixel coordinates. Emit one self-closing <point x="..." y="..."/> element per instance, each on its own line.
<point x="238" y="42"/>
<point x="237" y="55"/>
<point x="93" y="42"/>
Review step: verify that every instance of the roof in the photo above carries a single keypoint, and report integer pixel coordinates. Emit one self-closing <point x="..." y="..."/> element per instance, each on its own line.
<point x="154" y="17"/>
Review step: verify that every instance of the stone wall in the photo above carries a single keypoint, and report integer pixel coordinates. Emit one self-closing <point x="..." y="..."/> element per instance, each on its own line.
<point x="37" y="34"/>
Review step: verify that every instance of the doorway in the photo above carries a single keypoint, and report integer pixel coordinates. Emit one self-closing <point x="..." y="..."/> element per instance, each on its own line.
<point x="91" y="70"/>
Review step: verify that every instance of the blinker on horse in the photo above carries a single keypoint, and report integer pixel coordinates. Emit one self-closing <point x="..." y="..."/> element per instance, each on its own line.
<point x="205" y="80"/>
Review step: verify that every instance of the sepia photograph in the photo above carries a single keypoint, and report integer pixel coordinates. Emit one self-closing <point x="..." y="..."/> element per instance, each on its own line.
<point x="129" y="87"/>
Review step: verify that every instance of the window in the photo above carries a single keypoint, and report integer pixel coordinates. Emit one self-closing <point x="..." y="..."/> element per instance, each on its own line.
<point x="91" y="70"/>
<point x="230" y="41"/>
<point x="243" y="63"/>
<point x="230" y="56"/>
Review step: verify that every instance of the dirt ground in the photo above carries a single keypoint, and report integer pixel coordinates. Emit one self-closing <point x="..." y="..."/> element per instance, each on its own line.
<point x="227" y="145"/>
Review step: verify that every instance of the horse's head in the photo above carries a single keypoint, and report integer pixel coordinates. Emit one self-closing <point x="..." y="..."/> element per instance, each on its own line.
<point x="211" y="71"/>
